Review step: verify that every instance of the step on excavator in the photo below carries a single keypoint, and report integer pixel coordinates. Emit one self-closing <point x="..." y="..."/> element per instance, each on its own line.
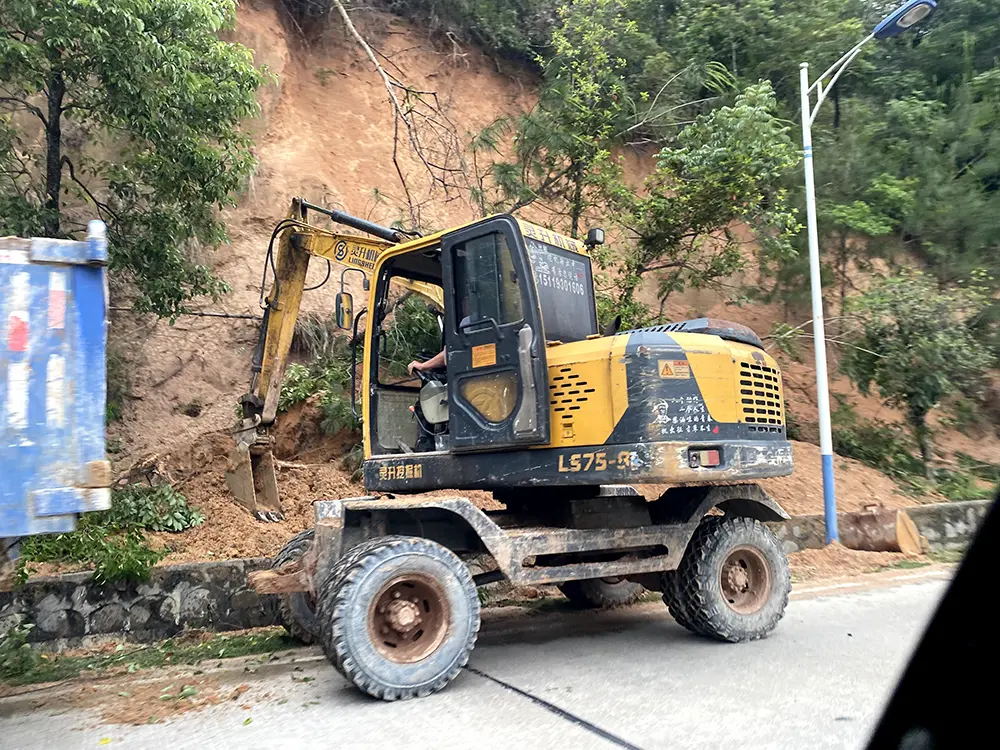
<point x="558" y="419"/>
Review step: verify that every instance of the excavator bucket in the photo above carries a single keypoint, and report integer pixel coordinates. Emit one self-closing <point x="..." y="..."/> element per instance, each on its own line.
<point x="251" y="479"/>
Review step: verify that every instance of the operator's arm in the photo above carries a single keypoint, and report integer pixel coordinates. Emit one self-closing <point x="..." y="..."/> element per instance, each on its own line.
<point x="434" y="363"/>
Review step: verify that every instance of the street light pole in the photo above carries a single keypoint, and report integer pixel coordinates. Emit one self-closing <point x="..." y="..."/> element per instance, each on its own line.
<point x="904" y="17"/>
<point x="819" y="329"/>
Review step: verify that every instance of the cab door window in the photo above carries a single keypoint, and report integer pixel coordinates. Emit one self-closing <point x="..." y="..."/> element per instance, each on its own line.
<point x="486" y="283"/>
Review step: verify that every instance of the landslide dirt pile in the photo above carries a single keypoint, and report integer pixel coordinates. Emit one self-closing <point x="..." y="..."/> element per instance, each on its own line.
<point x="310" y="466"/>
<point x="835" y="560"/>
<point x="198" y="470"/>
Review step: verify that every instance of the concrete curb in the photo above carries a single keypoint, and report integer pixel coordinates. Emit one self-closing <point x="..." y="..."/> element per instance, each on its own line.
<point x="66" y="610"/>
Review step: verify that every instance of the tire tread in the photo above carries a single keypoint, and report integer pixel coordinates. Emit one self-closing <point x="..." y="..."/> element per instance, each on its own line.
<point x="705" y="611"/>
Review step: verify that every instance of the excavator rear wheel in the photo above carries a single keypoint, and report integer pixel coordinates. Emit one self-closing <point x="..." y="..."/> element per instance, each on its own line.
<point x="733" y="581"/>
<point x="602" y="593"/>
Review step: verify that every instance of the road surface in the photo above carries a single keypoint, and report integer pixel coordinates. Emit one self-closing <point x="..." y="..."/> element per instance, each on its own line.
<point x="628" y="679"/>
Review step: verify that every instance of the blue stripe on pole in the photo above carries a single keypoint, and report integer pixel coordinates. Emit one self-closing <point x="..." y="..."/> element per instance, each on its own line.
<point x="829" y="500"/>
<point x="808" y="152"/>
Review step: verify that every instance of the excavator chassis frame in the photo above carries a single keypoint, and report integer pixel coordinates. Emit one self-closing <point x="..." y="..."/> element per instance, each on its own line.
<point x="527" y="555"/>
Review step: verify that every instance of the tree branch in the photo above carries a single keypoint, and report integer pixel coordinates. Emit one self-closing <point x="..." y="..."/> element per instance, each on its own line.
<point x="400" y="115"/>
<point x="28" y="106"/>
<point x="101" y="207"/>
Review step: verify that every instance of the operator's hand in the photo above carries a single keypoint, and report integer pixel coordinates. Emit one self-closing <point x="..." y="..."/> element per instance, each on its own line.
<point x="414" y="365"/>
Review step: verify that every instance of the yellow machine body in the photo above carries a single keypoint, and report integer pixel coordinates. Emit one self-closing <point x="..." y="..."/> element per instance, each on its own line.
<point x="536" y="395"/>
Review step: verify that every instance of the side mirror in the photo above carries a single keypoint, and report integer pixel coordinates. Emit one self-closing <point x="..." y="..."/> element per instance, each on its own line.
<point x="345" y="310"/>
<point x="595" y="237"/>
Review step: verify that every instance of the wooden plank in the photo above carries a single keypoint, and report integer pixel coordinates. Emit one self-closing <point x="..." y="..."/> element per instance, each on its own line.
<point x="288" y="579"/>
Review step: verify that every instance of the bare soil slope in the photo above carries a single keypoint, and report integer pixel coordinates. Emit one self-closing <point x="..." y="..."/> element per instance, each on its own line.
<point x="325" y="134"/>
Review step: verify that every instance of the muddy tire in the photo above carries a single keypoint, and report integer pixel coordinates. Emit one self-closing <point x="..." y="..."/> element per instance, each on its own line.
<point x="298" y="610"/>
<point x="600" y="593"/>
<point x="341" y="567"/>
<point x="400" y="617"/>
<point x="674" y="601"/>
<point x="733" y="581"/>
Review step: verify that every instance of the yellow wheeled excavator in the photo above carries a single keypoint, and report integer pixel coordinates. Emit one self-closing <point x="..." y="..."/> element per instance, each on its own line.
<point x="534" y="403"/>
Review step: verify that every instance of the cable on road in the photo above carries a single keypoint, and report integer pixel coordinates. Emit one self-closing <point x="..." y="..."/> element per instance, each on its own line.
<point x="561" y="713"/>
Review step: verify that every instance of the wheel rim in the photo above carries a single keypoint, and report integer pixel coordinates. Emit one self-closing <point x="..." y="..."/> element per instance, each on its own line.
<point x="745" y="580"/>
<point x="409" y="618"/>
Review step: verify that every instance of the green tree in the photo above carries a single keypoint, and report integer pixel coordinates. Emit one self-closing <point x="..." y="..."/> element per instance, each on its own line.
<point x="579" y="116"/>
<point x="728" y="166"/>
<point x="152" y="81"/>
<point x="876" y="212"/>
<point x="916" y="345"/>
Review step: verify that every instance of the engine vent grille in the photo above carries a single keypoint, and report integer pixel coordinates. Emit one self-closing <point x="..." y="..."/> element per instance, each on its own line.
<point x="568" y="391"/>
<point x="760" y="397"/>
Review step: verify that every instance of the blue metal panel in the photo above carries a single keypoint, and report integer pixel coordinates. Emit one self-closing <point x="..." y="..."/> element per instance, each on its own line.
<point x="52" y="382"/>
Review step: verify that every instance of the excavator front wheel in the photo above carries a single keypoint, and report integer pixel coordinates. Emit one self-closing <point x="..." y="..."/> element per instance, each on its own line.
<point x="399" y="617"/>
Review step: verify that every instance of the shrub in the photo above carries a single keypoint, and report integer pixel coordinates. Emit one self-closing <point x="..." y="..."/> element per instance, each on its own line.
<point x="880" y="445"/>
<point x="112" y="541"/>
<point x="160" y="508"/>
<point x="16" y="655"/>
<point x="113" y="555"/>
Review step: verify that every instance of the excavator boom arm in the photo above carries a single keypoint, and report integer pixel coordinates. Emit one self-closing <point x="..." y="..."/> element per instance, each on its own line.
<point x="250" y="474"/>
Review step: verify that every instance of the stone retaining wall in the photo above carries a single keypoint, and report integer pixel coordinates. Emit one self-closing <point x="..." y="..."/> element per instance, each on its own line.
<point x="215" y="595"/>
<point x="212" y="595"/>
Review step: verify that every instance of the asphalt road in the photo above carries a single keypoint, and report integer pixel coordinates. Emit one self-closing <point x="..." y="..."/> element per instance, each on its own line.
<point x="566" y="680"/>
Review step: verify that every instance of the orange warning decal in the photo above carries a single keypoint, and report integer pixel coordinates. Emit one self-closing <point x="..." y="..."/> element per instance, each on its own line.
<point x="675" y="369"/>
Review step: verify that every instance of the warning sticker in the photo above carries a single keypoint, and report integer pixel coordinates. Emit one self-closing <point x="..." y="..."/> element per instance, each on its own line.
<point x="675" y="369"/>
<point x="484" y="355"/>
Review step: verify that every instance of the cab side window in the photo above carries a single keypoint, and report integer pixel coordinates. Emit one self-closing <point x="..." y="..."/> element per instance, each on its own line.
<point x="486" y="283"/>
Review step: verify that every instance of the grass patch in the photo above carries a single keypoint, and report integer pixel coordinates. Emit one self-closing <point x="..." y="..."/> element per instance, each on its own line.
<point x="20" y="664"/>
<point x="947" y="555"/>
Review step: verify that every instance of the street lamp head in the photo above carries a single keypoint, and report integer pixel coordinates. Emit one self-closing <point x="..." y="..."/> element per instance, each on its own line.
<point x="907" y="15"/>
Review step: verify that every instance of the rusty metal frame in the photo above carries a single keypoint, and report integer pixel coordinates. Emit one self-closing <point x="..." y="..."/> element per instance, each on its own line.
<point x="533" y="555"/>
<point x="514" y="548"/>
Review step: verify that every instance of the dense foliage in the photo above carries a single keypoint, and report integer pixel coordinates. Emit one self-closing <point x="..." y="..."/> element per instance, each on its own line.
<point x="916" y="346"/>
<point x="165" y="96"/>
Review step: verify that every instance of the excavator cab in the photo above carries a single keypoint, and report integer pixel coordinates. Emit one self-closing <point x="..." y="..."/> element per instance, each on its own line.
<point x="492" y="335"/>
